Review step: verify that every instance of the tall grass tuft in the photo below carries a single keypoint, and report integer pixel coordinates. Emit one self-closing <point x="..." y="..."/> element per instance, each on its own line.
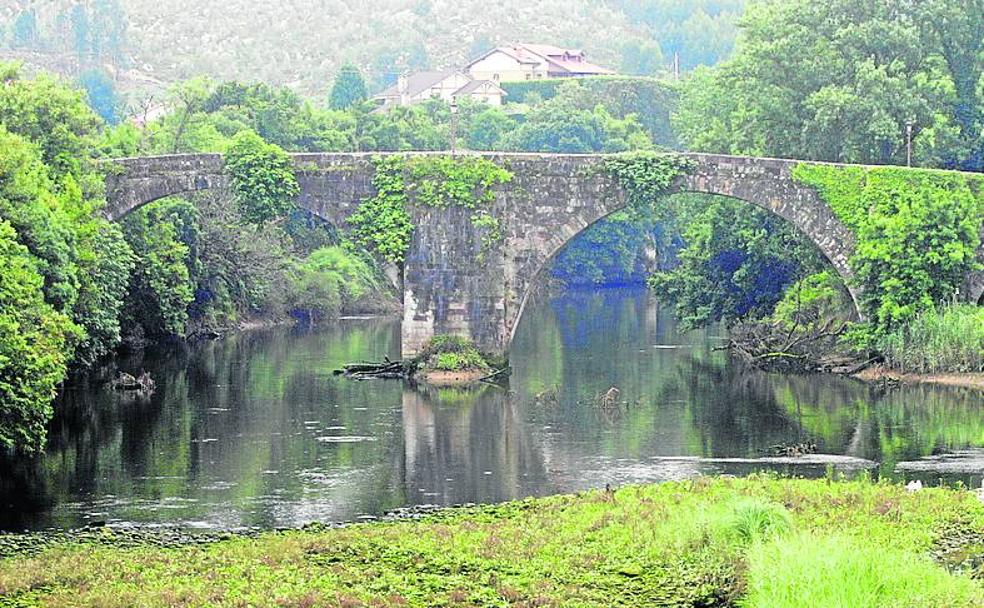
<point x="949" y="339"/>
<point x="806" y="570"/>
<point x="752" y="520"/>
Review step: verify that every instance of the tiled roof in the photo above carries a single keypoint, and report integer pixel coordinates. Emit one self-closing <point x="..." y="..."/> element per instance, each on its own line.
<point x="418" y="83"/>
<point x="474" y="85"/>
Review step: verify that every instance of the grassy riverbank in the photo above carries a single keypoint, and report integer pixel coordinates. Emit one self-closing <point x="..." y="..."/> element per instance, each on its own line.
<point x="709" y="542"/>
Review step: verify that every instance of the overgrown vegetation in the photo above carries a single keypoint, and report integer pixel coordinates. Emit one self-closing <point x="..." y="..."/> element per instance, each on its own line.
<point x="173" y="268"/>
<point x="451" y="354"/>
<point x="757" y="542"/>
<point x="262" y="177"/>
<point x="948" y="338"/>
<point x="917" y="234"/>
<point x="382" y="224"/>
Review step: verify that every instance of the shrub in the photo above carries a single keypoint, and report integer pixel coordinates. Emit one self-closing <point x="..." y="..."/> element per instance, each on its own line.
<point x="452" y="353"/>
<point x="329" y="281"/>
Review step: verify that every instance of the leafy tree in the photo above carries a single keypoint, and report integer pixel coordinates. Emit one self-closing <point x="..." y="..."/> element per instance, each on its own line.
<point x="840" y="80"/>
<point x="486" y="129"/>
<point x="642" y="58"/>
<point x="108" y="30"/>
<point x="160" y="288"/>
<point x="262" y="177"/>
<point x="102" y="94"/>
<point x="239" y="268"/>
<point x="736" y="263"/>
<point x="26" y="34"/>
<point x="54" y="116"/>
<point x="79" y="19"/>
<point x="35" y="346"/>
<point x="560" y="125"/>
<point x="610" y="252"/>
<point x="349" y="89"/>
<point x="106" y="262"/>
<point x="29" y="204"/>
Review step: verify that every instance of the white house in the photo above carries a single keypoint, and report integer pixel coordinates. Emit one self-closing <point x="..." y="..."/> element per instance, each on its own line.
<point x="531" y="62"/>
<point x="447" y="86"/>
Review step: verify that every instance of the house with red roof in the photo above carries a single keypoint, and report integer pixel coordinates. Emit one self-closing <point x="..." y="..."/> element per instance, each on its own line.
<point x="531" y="62"/>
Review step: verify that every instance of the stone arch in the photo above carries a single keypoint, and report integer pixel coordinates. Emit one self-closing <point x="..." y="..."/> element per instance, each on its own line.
<point x="332" y="185"/>
<point x="764" y="183"/>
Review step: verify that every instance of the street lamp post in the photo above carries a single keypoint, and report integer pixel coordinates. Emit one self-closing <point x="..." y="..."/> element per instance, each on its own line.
<point x="454" y="126"/>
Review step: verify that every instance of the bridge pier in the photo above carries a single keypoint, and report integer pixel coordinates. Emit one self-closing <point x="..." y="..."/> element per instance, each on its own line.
<point x="452" y="283"/>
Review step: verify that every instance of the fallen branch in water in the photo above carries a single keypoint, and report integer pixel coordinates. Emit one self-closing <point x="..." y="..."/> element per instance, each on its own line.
<point x="369" y="370"/>
<point x="496" y="375"/>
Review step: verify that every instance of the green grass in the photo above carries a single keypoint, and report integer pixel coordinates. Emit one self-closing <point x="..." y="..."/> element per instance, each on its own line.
<point x="807" y="570"/>
<point x="453" y="354"/>
<point x="950" y="339"/>
<point x="752" y="542"/>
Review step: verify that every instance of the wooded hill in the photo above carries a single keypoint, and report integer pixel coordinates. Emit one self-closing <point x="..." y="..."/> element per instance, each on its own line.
<point x="302" y="43"/>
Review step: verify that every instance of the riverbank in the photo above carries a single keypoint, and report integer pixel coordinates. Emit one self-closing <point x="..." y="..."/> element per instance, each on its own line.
<point x="884" y="374"/>
<point x="710" y="542"/>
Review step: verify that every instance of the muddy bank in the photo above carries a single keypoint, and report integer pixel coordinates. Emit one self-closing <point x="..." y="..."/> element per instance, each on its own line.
<point x="883" y="374"/>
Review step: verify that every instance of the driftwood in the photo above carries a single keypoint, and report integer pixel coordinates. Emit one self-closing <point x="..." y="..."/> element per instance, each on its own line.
<point x="774" y="346"/>
<point x="497" y="376"/>
<point x="368" y="370"/>
<point x="125" y="382"/>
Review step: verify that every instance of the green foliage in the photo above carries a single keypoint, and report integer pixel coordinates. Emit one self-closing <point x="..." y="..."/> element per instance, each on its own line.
<point x="485" y="128"/>
<point x="238" y="268"/>
<point x="839" y="81"/>
<point x="736" y="263"/>
<point x="382" y="224"/>
<point x="452" y="354"/>
<point x="161" y="285"/>
<point x="607" y="252"/>
<point x="447" y="181"/>
<point x="945" y="339"/>
<point x="650" y="101"/>
<point x="699" y="32"/>
<point x="348" y="280"/>
<point x="917" y="233"/>
<point x="646" y="176"/>
<point x="106" y="262"/>
<point x="51" y="115"/>
<point x="562" y="124"/>
<point x="101" y="92"/>
<point x="456" y="362"/>
<point x="857" y="544"/>
<point x="753" y="520"/>
<point x="838" y="570"/>
<point x="262" y="177"/>
<point x="814" y="300"/>
<point x="349" y="89"/>
<point x="25" y="31"/>
<point x="28" y="203"/>
<point x="36" y="343"/>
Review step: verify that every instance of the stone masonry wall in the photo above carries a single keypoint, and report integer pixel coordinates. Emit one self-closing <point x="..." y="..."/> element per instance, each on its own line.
<point x="450" y="285"/>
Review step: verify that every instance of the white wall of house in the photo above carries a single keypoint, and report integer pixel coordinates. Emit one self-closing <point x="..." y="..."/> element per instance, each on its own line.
<point x="502" y="67"/>
<point x="443" y="90"/>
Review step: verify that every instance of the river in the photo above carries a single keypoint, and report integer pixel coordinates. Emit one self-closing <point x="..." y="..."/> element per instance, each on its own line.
<point x="254" y="430"/>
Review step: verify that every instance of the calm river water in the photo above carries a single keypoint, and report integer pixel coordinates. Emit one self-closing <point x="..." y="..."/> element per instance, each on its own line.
<point x="254" y="430"/>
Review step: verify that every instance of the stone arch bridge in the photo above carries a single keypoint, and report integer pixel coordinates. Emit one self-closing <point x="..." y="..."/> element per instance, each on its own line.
<point x="449" y="286"/>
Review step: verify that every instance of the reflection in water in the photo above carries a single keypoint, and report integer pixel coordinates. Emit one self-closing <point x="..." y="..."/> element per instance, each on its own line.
<point x="254" y="430"/>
